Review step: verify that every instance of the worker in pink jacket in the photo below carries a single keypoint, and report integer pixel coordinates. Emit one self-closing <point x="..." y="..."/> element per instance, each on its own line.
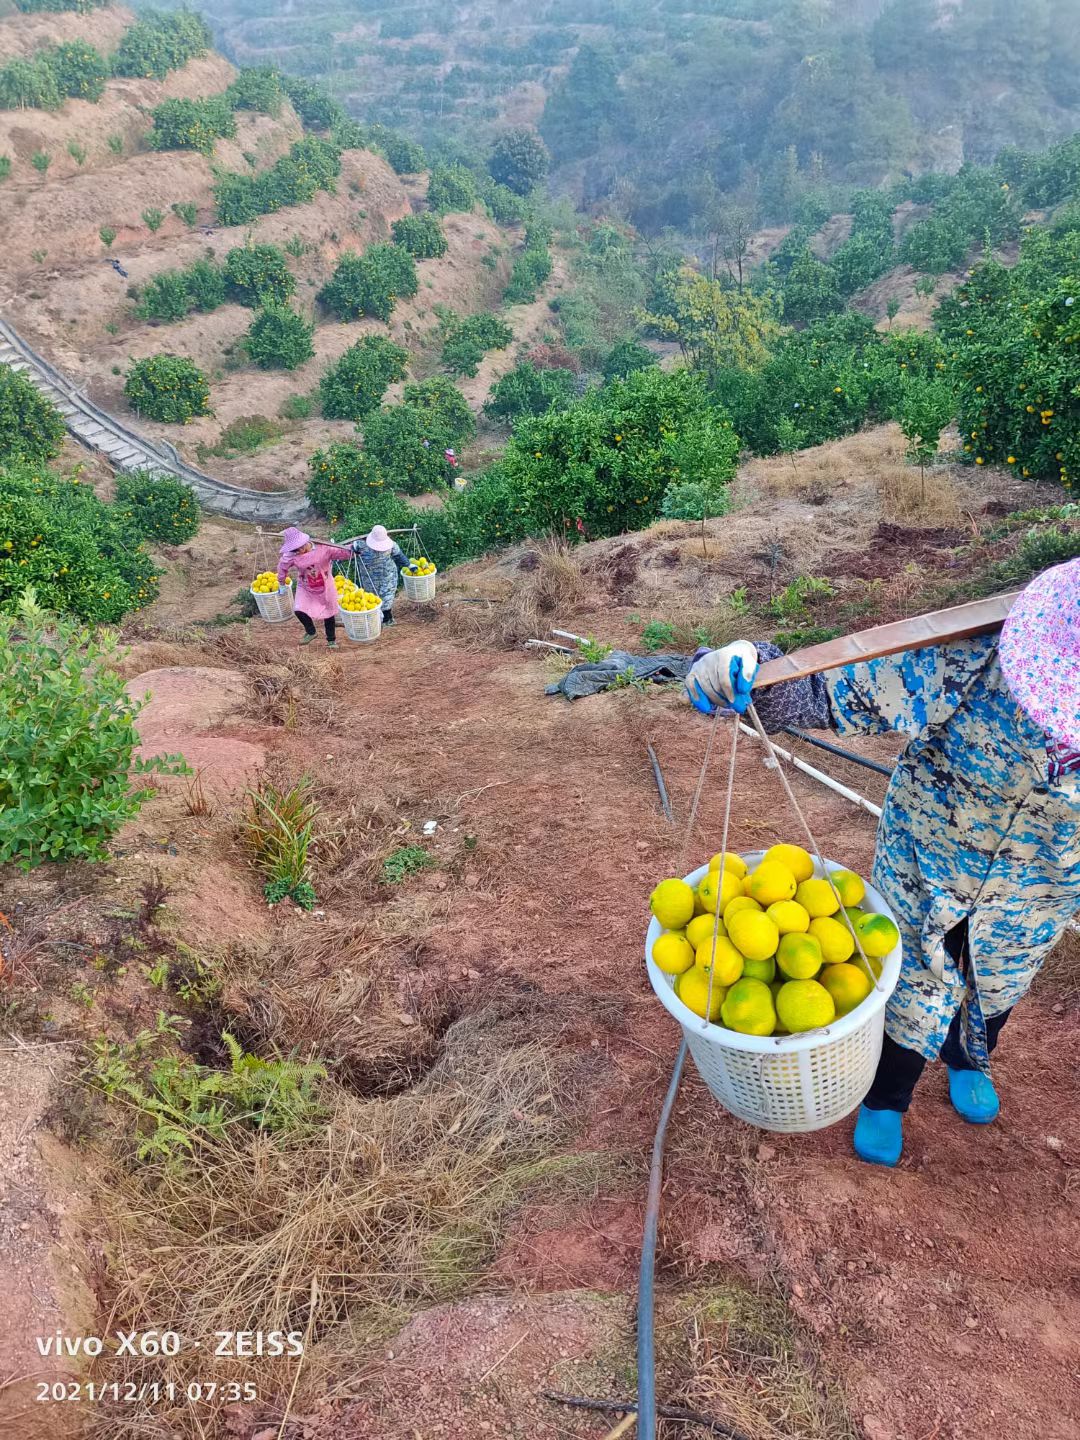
<point x="316" y="597"/>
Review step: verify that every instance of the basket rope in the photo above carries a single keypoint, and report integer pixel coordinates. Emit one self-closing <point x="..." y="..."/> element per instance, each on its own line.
<point x="772" y="762"/>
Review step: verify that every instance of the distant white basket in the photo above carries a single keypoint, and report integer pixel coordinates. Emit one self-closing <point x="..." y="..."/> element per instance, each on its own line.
<point x="275" y="606"/>
<point x="420" y="588"/>
<point x="363" y="626"/>
<point x="789" y="1083"/>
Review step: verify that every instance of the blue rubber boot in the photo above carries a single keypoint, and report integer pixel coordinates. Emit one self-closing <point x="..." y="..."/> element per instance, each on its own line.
<point x="879" y="1136"/>
<point x="973" y="1096"/>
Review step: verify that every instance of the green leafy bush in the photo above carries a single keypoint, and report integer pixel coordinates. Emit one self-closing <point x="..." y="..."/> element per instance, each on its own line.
<point x="82" y="556"/>
<point x="41" y="160"/>
<point x="31" y="428"/>
<point x="279" y="339"/>
<point x="79" y="69"/>
<point x="316" y="107"/>
<point x="192" y="124"/>
<point x="343" y="477"/>
<point x="311" y="165"/>
<point x="404" y="156"/>
<point x="168" y="388"/>
<point x="153" y="220"/>
<point x="185" y="210"/>
<point x="402" y="444"/>
<point x="626" y="357"/>
<point x="161" y="41"/>
<point x="420" y="235"/>
<point x="370" y="284"/>
<point x="157" y="507"/>
<point x="531" y="268"/>
<point x="525" y="390"/>
<point x="355" y="385"/>
<point x="166" y="297"/>
<point x="258" y="275"/>
<point x="503" y="205"/>
<point x="5" y="166"/>
<point x="296" y="407"/>
<point x="67" y="740"/>
<point x="468" y="341"/>
<point x="444" y="409"/>
<point x="29" y="84"/>
<point x="259" y="88"/>
<point x="107" y="235"/>
<point x="519" y="160"/>
<point x="810" y="290"/>
<point x="451" y="187"/>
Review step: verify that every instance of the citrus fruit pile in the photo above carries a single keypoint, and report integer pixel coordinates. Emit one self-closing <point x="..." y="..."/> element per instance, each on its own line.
<point x="420" y="567"/>
<point x="266" y="583"/>
<point x="780" y="940"/>
<point x="352" y="597"/>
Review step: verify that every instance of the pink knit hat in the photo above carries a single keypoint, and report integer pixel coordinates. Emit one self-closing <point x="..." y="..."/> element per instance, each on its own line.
<point x="378" y="539"/>
<point x="293" y="539"/>
<point x="1040" y="653"/>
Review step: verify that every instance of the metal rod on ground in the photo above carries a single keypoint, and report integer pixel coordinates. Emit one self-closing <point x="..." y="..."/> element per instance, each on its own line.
<point x="646" y="1339"/>
<point x="821" y="777"/>
<point x="666" y="1412"/>
<point x="569" y="635"/>
<point x="547" y="645"/>
<point x="664" y="801"/>
<point x="838" y="750"/>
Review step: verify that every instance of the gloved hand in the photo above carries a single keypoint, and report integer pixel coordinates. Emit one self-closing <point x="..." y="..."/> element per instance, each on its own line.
<point x="723" y="677"/>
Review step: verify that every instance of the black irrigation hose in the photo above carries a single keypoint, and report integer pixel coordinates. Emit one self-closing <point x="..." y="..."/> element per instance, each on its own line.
<point x="628" y="1407"/>
<point x="836" y="750"/>
<point x="646" y="1339"/>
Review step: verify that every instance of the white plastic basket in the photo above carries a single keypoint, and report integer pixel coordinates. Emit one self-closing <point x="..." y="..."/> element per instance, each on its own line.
<point x="275" y="606"/>
<point x="363" y="626"/>
<point x="420" y="588"/>
<point x="790" y="1083"/>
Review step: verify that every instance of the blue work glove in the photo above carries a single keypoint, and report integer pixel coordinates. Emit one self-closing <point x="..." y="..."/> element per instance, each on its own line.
<point x="723" y="677"/>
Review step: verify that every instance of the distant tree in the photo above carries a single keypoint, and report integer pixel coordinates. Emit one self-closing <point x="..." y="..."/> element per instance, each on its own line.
<point x="626" y="357"/>
<point x="715" y="325"/>
<point x="810" y="290"/>
<point x="734" y="230"/>
<point x="519" y="160"/>
<point x="585" y="107"/>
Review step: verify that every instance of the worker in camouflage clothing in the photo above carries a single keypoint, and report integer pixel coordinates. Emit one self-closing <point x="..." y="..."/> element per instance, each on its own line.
<point x="978" y="850"/>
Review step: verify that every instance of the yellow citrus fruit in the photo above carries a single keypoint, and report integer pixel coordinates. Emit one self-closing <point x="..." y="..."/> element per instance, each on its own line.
<point x="789" y="917"/>
<point x="760" y="970"/>
<point x="852" y="913"/>
<point x="816" y="898"/>
<point x="798" y="956"/>
<point x="836" y="940"/>
<point x="741" y="902"/>
<point x="850" y="887"/>
<point x="729" y="963"/>
<point x="692" y="988"/>
<point x="848" y="986"/>
<point x="672" y="902"/>
<point x="794" y="858"/>
<point x="717" y="889"/>
<point x="772" y="881"/>
<point x="748" y="1008"/>
<point x="774" y="989"/>
<point x="877" y="933"/>
<point x="805" y="1005"/>
<point x="753" y="934"/>
<point x="701" y="929"/>
<point x="672" y="952"/>
<point x="735" y="863"/>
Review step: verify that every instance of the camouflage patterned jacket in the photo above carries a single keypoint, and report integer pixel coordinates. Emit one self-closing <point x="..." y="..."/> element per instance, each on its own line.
<point x="979" y="821"/>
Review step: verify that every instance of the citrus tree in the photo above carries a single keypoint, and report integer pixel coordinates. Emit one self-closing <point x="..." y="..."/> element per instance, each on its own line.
<point x="31" y="427"/>
<point x="167" y="387"/>
<point x="354" y="385"/>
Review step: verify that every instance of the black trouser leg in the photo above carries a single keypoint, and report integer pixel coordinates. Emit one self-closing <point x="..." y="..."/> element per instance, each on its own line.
<point x="306" y="621"/>
<point x="330" y="626"/>
<point x="388" y="615"/>
<point x="952" y="1052"/>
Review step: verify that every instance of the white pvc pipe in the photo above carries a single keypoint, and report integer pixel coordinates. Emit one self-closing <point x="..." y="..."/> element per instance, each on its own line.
<point x="819" y="775"/>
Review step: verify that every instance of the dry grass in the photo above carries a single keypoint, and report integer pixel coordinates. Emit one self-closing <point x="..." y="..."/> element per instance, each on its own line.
<point x="1060" y="974"/>
<point x="746" y="1364"/>
<point x="818" y="474"/>
<point x="910" y="496"/>
<point x="552" y="586"/>
<point x="393" y="1204"/>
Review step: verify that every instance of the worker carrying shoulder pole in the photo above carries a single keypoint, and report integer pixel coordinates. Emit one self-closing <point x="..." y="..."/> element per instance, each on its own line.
<point x="978" y="850"/>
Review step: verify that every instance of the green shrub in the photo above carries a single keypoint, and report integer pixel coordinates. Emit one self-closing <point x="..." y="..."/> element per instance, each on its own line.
<point x="296" y="407"/>
<point x="107" y="235"/>
<point x="157" y="507"/>
<point x="503" y="205"/>
<point x="31" y="428"/>
<point x="258" y="275"/>
<point x="444" y="409"/>
<point x="5" y="166"/>
<point x="525" y="390"/>
<point x="626" y="357"/>
<point x="519" y="160"/>
<point x="172" y="294"/>
<point x="30" y="84"/>
<point x="468" y="341"/>
<point x="935" y="245"/>
<point x="370" y="284"/>
<point x="68" y="740"/>
<point x="316" y="107"/>
<point x="421" y="236"/>
<point x="810" y="290"/>
<point x="41" y="160"/>
<point x="279" y="339"/>
<point x="160" y="41"/>
<point x="81" y="556"/>
<point x="531" y="269"/>
<point x="168" y="388"/>
<point x="342" y="477"/>
<point x="185" y="210"/>
<point x="191" y="124"/>
<point x="259" y="88"/>
<point x="116" y="144"/>
<point x="79" y="69"/>
<point x="691" y="500"/>
<point x="451" y="187"/>
<point x="153" y="220"/>
<point x="355" y="385"/>
<point x="311" y="165"/>
<point x="403" y="155"/>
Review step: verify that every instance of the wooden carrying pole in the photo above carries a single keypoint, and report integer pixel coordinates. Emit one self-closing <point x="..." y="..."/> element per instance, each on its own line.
<point x="937" y="628"/>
